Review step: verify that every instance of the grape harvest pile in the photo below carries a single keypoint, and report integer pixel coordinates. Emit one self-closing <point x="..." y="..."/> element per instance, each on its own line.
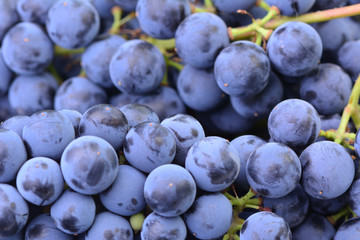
<point x="179" y="119"/>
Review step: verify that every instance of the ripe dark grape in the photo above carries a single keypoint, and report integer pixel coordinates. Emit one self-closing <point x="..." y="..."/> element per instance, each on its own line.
<point x="199" y="38"/>
<point x="158" y="227"/>
<point x="34" y="10"/>
<point x="315" y="227"/>
<point x="27" y="49"/>
<point x="273" y="170"/>
<point x="169" y="190"/>
<point x="9" y="16"/>
<point x="40" y="181"/>
<point x="328" y="170"/>
<point x="137" y="113"/>
<point x="161" y="19"/>
<point x="242" y="68"/>
<point x="214" y="163"/>
<point x="89" y="164"/>
<point x="294" y="48"/>
<point x="72" y="23"/>
<point x="6" y="76"/>
<point x="104" y="7"/>
<point x="233" y="5"/>
<point x="12" y="155"/>
<point x="15" y="123"/>
<point x="292" y="7"/>
<point x="349" y="230"/>
<point x="347" y="55"/>
<point x="354" y="196"/>
<point x="74" y="117"/>
<point x="126" y="195"/>
<point x="137" y="67"/>
<point x="328" y="206"/>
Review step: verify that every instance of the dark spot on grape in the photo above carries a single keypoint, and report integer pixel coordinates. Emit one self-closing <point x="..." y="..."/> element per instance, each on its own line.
<point x="194" y="133"/>
<point x="43" y="190"/>
<point x="120" y="204"/>
<point x="244" y="226"/>
<point x="96" y="173"/>
<point x="70" y="223"/>
<point x="8" y="223"/>
<point x="263" y="191"/>
<point x="134" y="201"/>
<point x="77" y="184"/>
<point x="35" y="232"/>
<point x="310" y="95"/>
<point x="108" y="235"/>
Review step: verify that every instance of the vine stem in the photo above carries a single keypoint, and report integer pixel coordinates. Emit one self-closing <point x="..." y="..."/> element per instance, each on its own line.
<point x="116" y="12"/>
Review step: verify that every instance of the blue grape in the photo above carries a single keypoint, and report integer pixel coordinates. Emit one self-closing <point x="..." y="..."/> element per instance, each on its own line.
<point x="233" y="5"/>
<point x="40" y="181"/>
<point x="16" y="236"/>
<point x="292" y="7"/>
<point x="245" y="145"/>
<point x="293" y="207"/>
<point x="349" y="230"/>
<point x="186" y="131"/>
<point x="34" y="10"/>
<point x="346" y="55"/>
<point x="29" y="94"/>
<point x="127" y="5"/>
<point x="354" y="196"/>
<point x="73" y="213"/>
<point x="209" y="217"/>
<point x="15" y="123"/>
<point x="27" y="49"/>
<point x="214" y="163"/>
<point x="328" y="4"/>
<point x="315" y="227"/>
<point x="193" y="84"/>
<point x="74" y="117"/>
<point x="161" y="19"/>
<point x="47" y="133"/>
<point x="110" y="226"/>
<point x="327" y="88"/>
<point x="96" y="58"/>
<point x="294" y="48"/>
<point x="158" y="227"/>
<point x="9" y="16"/>
<point x="14" y="211"/>
<point x="242" y="68"/>
<point x="105" y="121"/>
<point x="89" y="164"/>
<point x="328" y="170"/>
<point x="199" y="38"/>
<point x="260" y="105"/>
<point x="79" y="27"/>
<point x="6" y="76"/>
<point x="121" y="99"/>
<point x="265" y="225"/>
<point x="42" y="228"/>
<point x="328" y="206"/>
<point x="104" y="8"/>
<point x="12" y="155"/>
<point x="149" y="145"/>
<point x="137" y="67"/>
<point x="126" y="195"/>
<point x="273" y="170"/>
<point x="78" y="93"/>
<point x="137" y="113"/>
<point x="169" y="190"/>
<point x="295" y="123"/>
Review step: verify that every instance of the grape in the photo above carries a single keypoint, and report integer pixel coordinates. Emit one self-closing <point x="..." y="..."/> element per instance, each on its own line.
<point x="328" y="206"/>
<point x="158" y="227"/>
<point x="161" y="19"/>
<point x="42" y="228"/>
<point x="199" y="38"/>
<point x="328" y="4"/>
<point x="126" y="195"/>
<point x="73" y="213"/>
<point x="354" y="196"/>
<point x="89" y="164"/>
<point x="292" y="7"/>
<point x="242" y="68"/>
<point x="15" y="123"/>
<point x="214" y="163"/>
<point x="29" y="94"/>
<point x="78" y="28"/>
<point x="6" y="76"/>
<point x="137" y="67"/>
<point x="12" y="155"/>
<point x="186" y="131"/>
<point x="349" y="230"/>
<point x="105" y="121"/>
<point x="104" y="8"/>
<point x="295" y="123"/>
<point x="121" y="99"/>
<point x="315" y="227"/>
<point x="34" y="10"/>
<point x="347" y="55"/>
<point x="137" y="113"/>
<point x="265" y="225"/>
<point x="149" y="145"/>
<point x="96" y="58"/>
<point x="324" y="81"/>
<point x="233" y="5"/>
<point x="328" y="170"/>
<point x="74" y="117"/>
<point x="169" y="190"/>
<point x="14" y="211"/>
<point x="293" y="207"/>
<point x="260" y="105"/>
<point x="273" y="170"/>
<point x="8" y="15"/>
<point x="40" y="181"/>
<point x="209" y="217"/>
<point x="109" y="226"/>
<point x="26" y="49"/>
<point x="294" y="48"/>
<point x="47" y="133"/>
<point x="78" y="93"/>
<point x="193" y="84"/>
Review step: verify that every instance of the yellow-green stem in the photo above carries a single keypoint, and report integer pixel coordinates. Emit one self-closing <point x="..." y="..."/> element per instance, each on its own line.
<point x="263" y="4"/>
<point x="116" y="12"/>
<point x="334" y="218"/>
<point x="126" y="19"/>
<point x="174" y="64"/>
<point x="240" y="203"/>
<point x="63" y="51"/>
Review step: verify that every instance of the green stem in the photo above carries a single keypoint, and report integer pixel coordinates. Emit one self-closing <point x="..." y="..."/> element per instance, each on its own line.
<point x="116" y="12"/>
<point x="263" y="4"/>
<point x="55" y="74"/>
<point x="240" y="203"/>
<point x="332" y="134"/>
<point x="345" y="211"/>
<point x="126" y="19"/>
<point x="208" y="4"/>
<point x="63" y="51"/>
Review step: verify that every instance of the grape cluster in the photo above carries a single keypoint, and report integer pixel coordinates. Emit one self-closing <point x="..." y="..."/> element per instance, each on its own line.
<point x="179" y="119"/>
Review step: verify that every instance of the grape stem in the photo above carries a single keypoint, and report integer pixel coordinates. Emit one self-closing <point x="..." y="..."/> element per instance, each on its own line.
<point x="116" y="12"/>
<point x="63" y="51"/>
